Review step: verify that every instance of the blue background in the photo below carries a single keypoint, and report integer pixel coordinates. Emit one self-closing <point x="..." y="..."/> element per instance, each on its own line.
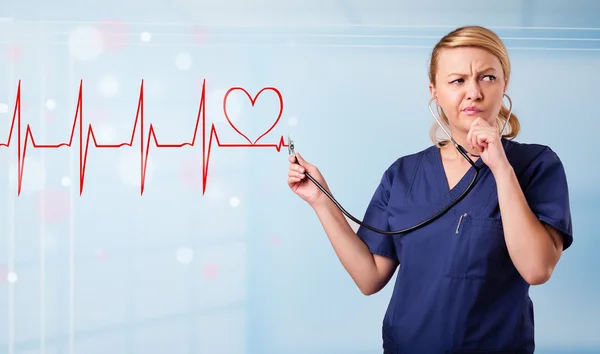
<point x="246" y="267"/>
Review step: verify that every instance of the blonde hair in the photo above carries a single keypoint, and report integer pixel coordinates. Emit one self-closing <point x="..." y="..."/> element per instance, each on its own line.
<point x="477" y="37"/>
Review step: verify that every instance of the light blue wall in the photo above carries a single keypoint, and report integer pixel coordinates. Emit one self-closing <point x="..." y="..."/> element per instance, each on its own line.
<point x="175" y="271"/>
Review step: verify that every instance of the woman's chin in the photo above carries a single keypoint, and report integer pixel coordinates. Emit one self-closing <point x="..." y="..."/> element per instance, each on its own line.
<point x="469" y="119"/>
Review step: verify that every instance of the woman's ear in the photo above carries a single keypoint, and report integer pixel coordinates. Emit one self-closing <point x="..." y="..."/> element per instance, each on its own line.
<point x="433" y="93"/>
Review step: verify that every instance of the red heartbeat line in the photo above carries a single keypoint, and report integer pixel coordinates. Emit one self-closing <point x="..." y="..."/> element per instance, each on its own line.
<point x="144" y="145"/>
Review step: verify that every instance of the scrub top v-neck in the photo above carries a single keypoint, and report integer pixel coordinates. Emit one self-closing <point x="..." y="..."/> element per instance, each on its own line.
<point x="457" y="290"/>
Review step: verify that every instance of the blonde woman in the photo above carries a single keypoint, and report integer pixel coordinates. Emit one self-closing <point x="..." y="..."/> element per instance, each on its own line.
<point x="463" y="284"/>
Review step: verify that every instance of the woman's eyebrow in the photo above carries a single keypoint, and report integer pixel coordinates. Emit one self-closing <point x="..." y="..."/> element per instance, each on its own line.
<point x="480" y="72"/>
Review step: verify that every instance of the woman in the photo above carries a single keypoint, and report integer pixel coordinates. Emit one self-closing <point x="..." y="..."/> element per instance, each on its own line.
<point x="463" y="281"/>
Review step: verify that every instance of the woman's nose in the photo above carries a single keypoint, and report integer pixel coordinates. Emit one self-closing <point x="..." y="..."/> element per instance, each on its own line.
<point x="473" y="91"/>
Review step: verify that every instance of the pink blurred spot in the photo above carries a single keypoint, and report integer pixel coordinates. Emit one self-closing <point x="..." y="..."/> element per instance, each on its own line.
<point x="49" y="117"/>
<point x="114" y="33"/>
<point x="199" y="34"/>
<point x="276" y="240"/>
<point x="14" y="54"/>
<point x="101" y="255"/>
<point x="210" y="271"/>
<point x="54" y="205"/>
<point x="191" y="173"/>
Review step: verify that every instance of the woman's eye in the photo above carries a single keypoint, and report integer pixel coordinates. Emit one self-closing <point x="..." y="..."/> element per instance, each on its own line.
<point x="490" y="77"/>
<point x="457" y="81"/>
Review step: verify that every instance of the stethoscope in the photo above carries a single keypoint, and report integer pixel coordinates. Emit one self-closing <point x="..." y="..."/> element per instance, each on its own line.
<point x="458" y="147"/>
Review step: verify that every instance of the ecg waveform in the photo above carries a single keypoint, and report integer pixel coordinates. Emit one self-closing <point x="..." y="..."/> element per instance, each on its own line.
<point x="146" y="139"/>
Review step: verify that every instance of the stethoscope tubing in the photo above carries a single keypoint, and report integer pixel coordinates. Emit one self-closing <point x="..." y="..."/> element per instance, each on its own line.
<point x="414" y="227"/>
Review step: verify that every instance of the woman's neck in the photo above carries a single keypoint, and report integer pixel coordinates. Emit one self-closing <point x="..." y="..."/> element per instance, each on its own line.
<point x="450" y="152"/>
<point x="460" y="136"/>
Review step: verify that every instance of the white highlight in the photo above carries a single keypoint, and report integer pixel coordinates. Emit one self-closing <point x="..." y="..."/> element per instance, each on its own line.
<point x="184" y="255"/>
<point x="183" y="61"/>
<point x="50" y="104"/>
<point x="12" y="277"/>
<point x="234" y="202"/>
<point x="145" y="37"/>
<point x="293" y="121"/>
<point x="85" y="43"/>
<point x="108" y="86"/>
<point x="3" y="108"/>
<point x="65" y="181"/>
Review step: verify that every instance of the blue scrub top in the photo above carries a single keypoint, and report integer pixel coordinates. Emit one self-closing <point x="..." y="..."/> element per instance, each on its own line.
<point x="457" y="290"/>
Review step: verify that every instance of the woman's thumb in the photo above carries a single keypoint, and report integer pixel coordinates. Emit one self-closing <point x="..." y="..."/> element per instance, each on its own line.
<point x="301" y="161"/>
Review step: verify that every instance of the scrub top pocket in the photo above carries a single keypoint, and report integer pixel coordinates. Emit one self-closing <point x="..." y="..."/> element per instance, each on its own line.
<point x="478" y="249"/>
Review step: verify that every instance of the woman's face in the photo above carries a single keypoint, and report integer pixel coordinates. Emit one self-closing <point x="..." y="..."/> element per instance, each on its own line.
<point x="469" y="83"/>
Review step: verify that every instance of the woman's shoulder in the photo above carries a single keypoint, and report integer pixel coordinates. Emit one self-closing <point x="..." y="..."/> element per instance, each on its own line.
<point x="526" y="155"/>
<point x="405" y="166"/>
<point x="518" y="147"/>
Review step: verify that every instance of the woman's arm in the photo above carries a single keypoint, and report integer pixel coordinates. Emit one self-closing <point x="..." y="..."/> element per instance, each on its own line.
<point x="370" y="272"/>
<point x="534" y="247"/>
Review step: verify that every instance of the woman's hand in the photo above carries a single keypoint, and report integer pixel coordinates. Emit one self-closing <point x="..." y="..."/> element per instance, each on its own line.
<point x="486" y="138"/>
<point x="301" y="185"/>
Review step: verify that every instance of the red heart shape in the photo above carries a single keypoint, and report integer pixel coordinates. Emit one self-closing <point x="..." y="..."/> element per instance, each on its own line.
<point x="253" y="100"/>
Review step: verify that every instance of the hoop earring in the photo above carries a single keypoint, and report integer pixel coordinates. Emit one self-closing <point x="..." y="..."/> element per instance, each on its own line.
<point x="508" y="116"/>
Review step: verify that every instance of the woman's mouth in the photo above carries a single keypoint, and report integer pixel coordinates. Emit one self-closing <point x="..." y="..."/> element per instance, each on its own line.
<point x="472" y="110"/>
